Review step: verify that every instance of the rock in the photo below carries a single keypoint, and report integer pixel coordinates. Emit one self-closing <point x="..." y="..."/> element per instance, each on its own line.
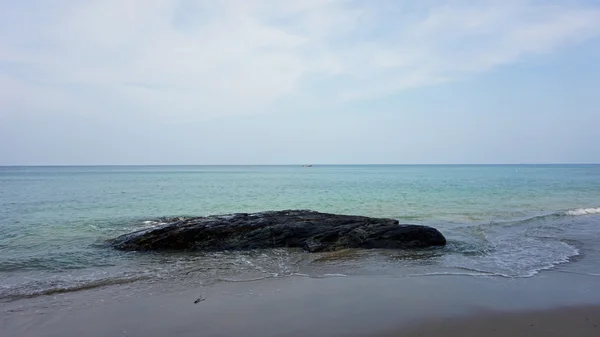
<point x="312" y="231"/>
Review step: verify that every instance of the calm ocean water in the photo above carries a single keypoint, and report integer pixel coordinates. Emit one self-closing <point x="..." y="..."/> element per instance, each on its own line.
<point x="511" y="221"/>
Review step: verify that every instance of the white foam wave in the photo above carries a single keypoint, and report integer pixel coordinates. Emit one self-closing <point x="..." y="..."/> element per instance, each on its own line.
<point x="66" y="285"/>
<point x="148" y="224"/>
<point x="583" y="211"/>
<point x="152" y="223"/>
<point x="457" y="274"/>
<point x="515" y="254"/>
<point x="252" y="279"/>
<point x="335" y="275"/>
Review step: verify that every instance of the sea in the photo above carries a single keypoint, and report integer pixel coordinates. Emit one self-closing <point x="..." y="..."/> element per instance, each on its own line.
<point x="501" y="221"/>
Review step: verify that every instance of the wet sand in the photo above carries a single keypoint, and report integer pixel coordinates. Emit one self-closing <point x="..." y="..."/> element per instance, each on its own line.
<point x="560" y="322"/>
<point x="550" y="304"/>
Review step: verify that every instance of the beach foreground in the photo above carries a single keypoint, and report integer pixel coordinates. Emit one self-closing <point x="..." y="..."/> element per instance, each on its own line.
<point x="550" y="304"/>
<point x="563" y="322"/>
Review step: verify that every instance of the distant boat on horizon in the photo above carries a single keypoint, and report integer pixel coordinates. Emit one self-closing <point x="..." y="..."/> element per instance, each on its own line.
<point x="308" y="165"/>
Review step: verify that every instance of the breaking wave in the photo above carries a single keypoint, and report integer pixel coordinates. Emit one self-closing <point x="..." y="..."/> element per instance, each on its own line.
<point x="60" y="286"/>
<point x="583" y="211"/>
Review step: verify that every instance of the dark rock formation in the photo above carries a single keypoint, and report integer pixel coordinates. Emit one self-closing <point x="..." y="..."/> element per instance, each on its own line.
<point x="312" y="231"/>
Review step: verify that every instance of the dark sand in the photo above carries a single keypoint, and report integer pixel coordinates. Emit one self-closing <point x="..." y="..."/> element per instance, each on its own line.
<point x="549" y="304"/>
<point x="561" y="322"/>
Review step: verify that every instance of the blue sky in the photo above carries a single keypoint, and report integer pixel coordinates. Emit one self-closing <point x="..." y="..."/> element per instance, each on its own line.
<point x="294" y="82"/>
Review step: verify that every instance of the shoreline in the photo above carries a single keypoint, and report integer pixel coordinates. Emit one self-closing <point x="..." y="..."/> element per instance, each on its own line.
<point x="336" y="306"/>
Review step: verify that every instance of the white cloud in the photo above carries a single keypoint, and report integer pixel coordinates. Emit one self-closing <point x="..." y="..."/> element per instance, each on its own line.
<point x="191" y="59"/>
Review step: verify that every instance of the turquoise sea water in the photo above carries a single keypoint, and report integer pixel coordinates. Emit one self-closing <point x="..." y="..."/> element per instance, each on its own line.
<point x="506" y="220"/>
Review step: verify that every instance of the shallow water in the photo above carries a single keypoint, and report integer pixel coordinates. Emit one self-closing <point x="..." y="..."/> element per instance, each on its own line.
<point x="511" y="221"/>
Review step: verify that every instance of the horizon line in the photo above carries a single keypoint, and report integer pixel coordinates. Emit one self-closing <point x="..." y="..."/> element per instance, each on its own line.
<point x="179" y="165"/>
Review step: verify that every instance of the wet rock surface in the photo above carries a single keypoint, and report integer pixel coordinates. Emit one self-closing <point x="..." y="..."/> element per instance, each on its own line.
<point x="309" y="230"/>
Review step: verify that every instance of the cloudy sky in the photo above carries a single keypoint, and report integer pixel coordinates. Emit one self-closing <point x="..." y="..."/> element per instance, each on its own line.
<point x="299" y="81"/>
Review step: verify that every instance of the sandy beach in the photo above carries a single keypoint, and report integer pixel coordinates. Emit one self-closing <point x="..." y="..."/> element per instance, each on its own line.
<point x="550" y="304"/>
<point x="560" y="322"/>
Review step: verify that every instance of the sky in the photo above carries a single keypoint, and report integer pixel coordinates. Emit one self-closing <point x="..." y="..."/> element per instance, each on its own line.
<point x="146" y="82"/>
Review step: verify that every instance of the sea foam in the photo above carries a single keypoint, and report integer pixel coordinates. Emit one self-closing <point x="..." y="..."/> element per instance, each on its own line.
<point x="583" y="211"/>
